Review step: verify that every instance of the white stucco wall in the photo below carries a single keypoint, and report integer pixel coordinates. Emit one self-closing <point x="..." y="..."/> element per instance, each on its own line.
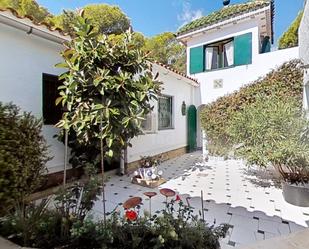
<point x="23" y="60"/>
<point x="166" y="140"/>
<point x="304" y="52"/>
<point x="304" y="35"/>
<point x="236" y="77"/>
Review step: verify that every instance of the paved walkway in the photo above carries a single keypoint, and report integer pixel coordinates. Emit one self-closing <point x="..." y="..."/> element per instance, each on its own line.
<point x="248" y="199"/>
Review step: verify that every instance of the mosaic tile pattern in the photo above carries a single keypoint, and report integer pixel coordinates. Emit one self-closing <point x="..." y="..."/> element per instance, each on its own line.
<point x="250" y="200"/>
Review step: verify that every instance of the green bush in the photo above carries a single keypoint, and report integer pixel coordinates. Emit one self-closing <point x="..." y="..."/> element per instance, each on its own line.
<point x="289" y="38"/>
<point x="272" y="131"/>
<point x="23" y="155"/>
<point x="286" y="81"/>
<point x="70" y="226"/>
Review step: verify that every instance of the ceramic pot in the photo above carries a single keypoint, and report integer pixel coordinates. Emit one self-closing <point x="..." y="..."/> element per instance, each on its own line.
<point x="297" y="195"/>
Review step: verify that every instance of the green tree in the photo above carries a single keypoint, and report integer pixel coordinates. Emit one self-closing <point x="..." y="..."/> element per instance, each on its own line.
<point x="107" y="78"/>
<point x="106" y="19"/>
<point x="166" y="49"/>
<point x="290" y="37"/>
<point x="23" y="155"/>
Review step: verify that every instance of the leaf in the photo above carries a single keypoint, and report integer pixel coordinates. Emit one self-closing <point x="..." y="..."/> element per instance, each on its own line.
<point x="58" y="100"/>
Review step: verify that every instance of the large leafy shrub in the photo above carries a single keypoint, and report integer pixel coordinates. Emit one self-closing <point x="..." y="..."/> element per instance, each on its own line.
<point x="23" y="155"/>
<point x="272" y="131"/>
<point x="106" y="81"/>
<point x="216" y="117"/>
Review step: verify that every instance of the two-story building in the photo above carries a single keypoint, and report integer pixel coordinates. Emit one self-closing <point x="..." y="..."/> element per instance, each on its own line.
<point x="232" y="47"/>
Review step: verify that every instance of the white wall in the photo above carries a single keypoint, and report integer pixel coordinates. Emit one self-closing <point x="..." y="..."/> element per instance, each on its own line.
<point x="23" y="59"/>
<point x="304" y="35"/>
<point x="166" y="140"/>
<point x="236" y="77"/>
<point x="304" y="52"/>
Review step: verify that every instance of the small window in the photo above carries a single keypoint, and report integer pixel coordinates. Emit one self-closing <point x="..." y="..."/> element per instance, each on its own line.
<point x="51" y="113"/>
<point x="165" y="112"/>
<point x="219" y="55"/>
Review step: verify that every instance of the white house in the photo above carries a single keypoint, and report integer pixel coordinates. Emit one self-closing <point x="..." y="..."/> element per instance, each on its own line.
<point x="29" y="52"/>
<point x="232" y="47"/>
<point x="28" y="78"/>
<point x="166" y="128"/>
<point x="304" y="51"/>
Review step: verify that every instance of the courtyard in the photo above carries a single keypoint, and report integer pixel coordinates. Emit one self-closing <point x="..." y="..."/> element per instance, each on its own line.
<point x="249" y="199"/>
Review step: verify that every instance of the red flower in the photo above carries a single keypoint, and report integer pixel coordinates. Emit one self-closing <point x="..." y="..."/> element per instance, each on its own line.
<point x="131" y="215"/>
<point x="178" y="198"/>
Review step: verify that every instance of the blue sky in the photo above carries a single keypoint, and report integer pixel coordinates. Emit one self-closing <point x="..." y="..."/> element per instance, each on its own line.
<point x="156" y="16"/>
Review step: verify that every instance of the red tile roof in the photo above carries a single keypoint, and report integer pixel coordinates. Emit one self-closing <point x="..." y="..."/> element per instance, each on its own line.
<point x="175" y="71"/>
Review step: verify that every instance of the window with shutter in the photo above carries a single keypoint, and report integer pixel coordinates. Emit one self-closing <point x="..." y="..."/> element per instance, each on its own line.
<point x="51" y="113"/>
<point x="197" y="60"/>
<point x="243" y="49"/>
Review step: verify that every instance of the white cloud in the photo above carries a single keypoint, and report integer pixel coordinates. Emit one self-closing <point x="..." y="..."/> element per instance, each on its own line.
<point x="188" y="14"/>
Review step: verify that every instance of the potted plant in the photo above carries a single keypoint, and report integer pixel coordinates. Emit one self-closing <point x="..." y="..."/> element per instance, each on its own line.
<point x="148" y="173"/>
<point x="274" y="132"/>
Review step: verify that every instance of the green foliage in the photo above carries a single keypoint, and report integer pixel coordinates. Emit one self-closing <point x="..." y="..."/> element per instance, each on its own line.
<point x="40" y="226"/>
<point x="290" y="38"/>
<point x="149" y="161"/>
<point x="23" y="155"/>
<point x="273" y="132"/>
<point x="106" y="19"/>
<point x="105" y="81"/>
<point x="166" y="49"/>
<point x="27" y="7"/>
<point x="216" y="117"/>
<point x="9" y="4"/>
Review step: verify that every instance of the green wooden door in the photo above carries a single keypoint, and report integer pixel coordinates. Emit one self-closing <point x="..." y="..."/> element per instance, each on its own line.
<point x="191" y="128"/>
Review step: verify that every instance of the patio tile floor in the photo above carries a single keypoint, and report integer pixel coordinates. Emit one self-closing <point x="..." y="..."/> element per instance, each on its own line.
<point x="250" y="200"/>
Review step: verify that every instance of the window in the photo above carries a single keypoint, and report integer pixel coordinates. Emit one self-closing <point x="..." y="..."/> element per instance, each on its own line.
<point x="219" y="55"/>
<point x="235" y="51"/>
<point x="148" y="125"/>
<point x="165" y="112"/>
<point x="51" y="113"/>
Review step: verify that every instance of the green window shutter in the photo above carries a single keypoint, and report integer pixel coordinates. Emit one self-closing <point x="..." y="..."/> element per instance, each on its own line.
<point x="243" y="49"/>
<point x="197" y="60"/>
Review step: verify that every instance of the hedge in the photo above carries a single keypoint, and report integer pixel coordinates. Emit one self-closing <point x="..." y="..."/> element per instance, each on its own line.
<point x="287" y="80"/>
